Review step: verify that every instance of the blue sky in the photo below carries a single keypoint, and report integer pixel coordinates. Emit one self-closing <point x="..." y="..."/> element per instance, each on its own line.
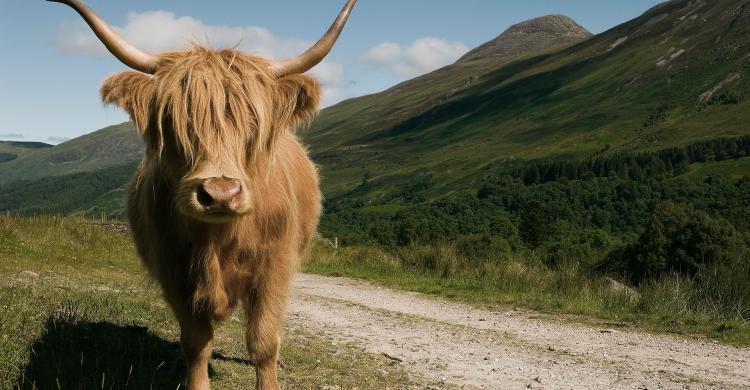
<point x="52" y="69"/>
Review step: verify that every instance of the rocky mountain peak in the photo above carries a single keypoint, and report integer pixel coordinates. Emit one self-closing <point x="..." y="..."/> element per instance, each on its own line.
<point x="546" y="32"/>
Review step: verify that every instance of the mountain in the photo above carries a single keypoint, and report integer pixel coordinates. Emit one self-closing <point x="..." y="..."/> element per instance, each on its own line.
<point x="531" y="36"/>
<point x="675" y="75"/>
<point x="24" y="145"/>
<point x="108" y="147"/>
<point x="359" y="123"/>
<point x="92" y="192"/>
<point x="11" y="150"/>
<point x="625" y="154"/>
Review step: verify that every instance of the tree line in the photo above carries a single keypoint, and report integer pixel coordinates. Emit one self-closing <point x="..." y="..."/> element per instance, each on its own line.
<point x="636" y="166"/>
<point x="636" y="215"/>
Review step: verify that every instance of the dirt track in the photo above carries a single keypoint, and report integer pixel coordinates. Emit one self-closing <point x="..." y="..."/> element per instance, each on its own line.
<point x="472" y="348"/>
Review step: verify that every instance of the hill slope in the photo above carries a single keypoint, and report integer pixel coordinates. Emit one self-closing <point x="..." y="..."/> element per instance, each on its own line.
<point x="345" y="129"/>
<point x="11" y="150"/>
<point x="105" y="148"/>
<point x="90" y="192"/>
<point x="672" y="76"/>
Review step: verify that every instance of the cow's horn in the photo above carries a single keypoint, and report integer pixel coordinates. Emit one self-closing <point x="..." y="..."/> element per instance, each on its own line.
<point x="125" y="52"/>
<point x="315" y="54"/>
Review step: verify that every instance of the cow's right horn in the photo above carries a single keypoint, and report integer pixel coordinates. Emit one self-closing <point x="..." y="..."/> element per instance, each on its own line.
<point x="314" y="55"/>
<point x="125" y="52"/>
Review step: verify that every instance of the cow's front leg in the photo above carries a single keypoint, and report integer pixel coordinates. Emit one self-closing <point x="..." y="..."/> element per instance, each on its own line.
<point x="196" y="337"/>
<point x="265" y="314"/>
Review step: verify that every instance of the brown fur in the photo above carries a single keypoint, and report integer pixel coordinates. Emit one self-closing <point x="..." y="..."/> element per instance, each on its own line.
<point x="211" y="114"/>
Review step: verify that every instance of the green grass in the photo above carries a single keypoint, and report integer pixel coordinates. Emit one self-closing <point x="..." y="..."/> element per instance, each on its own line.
<point x="669" y="305"/>
<point x="77" y="312"/>
<point x="731" y="169"/>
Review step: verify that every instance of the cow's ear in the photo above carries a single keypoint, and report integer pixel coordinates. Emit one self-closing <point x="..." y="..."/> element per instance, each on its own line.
<point x="133" y="92"/>
<point x="300" y="99"/>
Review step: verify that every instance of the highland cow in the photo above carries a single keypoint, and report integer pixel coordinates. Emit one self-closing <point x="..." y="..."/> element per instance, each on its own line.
<point x="226" y="200"/>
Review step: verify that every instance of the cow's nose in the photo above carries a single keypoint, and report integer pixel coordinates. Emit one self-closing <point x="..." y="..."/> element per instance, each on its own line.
<point x="219" y="192"/>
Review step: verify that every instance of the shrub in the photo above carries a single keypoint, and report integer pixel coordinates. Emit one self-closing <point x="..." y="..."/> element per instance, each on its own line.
<point x="726" y="288"/>
<point x="483" y="247"/>
<point x="501" y="225"/>
<point x="441" y="259"/>
<point x="534" y="228"/>
<point x="569" y="255"/>
<point x="680" y="239"/>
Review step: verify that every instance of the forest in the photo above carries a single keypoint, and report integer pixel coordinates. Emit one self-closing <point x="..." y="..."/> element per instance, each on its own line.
<point x="67" y="194"/>
<point x="636" y="216"/>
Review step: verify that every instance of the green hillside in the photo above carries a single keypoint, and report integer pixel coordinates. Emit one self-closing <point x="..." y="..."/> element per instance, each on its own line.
<point x="675" y="75"/>
<point x="11" y="150"/>
<point x="350" y="135"/>
<point x="90" y="193"/>
<point x="108" y="147"/>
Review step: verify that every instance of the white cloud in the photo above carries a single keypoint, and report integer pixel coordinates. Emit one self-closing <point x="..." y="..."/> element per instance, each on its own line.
<point x="384" y="53"/>
<point x="333" y="79"/>
<point x="11" y="136"/>
<point x="421" y="56"/>
<point x="329" y="73"/>
<point x="158" y="31"/>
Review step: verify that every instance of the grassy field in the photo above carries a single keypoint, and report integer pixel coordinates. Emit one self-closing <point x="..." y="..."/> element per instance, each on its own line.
<point x="672" y="304"/>
<point x="77" y="312"/>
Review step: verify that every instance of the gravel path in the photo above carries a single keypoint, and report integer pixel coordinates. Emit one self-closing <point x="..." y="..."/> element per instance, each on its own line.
<point x="477" y="349"/>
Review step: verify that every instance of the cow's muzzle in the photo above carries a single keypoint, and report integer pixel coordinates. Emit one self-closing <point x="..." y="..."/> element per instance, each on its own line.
<point x="220" y="196"/>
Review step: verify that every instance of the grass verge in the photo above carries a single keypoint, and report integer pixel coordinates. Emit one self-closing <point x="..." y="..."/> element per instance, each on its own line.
<point x="667" y="305"/>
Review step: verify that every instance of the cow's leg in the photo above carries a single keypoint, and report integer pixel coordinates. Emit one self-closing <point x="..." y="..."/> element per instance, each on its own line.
<point x="265" y="313"/>
<point x="196" y="338"/>
<point x="210" y="291"/>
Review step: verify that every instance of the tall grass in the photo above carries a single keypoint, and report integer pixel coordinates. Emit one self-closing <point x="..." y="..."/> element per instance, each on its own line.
<point x="671" y="303"/>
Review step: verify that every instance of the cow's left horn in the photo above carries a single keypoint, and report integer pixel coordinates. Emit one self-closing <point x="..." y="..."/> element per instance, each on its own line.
<point x="314" y="55"/>
<point x="121" y="49"/>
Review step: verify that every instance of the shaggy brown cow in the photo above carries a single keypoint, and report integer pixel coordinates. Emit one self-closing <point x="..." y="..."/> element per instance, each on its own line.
<point x="226" y="200"/>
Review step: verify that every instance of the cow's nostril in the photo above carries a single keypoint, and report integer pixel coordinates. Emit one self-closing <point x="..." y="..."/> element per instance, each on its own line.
<point x="204" y="198"/>
<point x="218" y="192"/>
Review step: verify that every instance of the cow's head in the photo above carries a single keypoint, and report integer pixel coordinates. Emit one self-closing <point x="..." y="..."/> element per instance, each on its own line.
<point x="210" y="119"/>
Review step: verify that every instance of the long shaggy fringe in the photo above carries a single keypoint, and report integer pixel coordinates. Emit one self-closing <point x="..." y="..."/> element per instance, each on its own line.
<point x="213" y="100"/>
